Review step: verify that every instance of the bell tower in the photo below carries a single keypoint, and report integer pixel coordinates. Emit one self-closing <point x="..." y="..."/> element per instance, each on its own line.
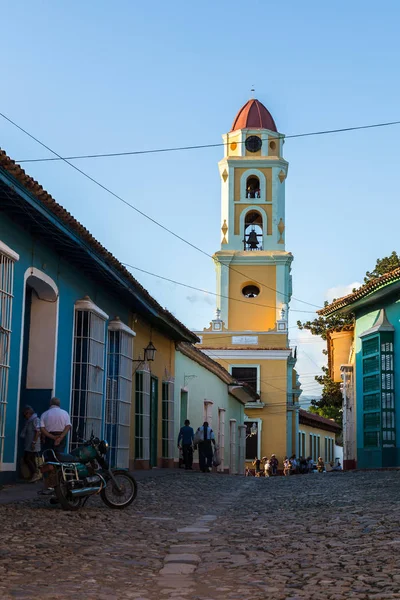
<point x="249" y="336"/>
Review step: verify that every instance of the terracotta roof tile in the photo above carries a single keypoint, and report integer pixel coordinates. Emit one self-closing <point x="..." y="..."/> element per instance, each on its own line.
<point x="308" y="418"/>
<point x="47" y="200"/>
<point x="362" y="292"/>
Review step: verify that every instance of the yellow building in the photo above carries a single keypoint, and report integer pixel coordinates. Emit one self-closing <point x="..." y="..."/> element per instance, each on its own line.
<point x="249" y="335"/>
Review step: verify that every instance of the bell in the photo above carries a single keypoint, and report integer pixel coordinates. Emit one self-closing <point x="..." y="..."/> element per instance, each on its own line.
<point x="252" y="240"/>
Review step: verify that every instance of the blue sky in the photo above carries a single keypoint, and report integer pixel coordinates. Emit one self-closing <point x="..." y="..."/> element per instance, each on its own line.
<point x="95" y="77"/>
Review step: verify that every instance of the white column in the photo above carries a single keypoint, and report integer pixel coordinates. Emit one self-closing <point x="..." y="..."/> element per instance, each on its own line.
<point x="232" y="459"/>
<point x="221" y="438"/>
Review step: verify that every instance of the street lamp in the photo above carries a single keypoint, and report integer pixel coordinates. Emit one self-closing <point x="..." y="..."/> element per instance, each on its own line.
<point x="149" y="353"/>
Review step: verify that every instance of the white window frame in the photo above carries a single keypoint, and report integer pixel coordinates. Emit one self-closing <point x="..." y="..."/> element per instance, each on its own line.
<point x="169" y="385"/>
<point x="144" y="415"/>
<point x="89" y="395"/>
<point x="119" y="390"/>
<point x="254" y="366"/>
<point x="259" y="434"/>
<point x="7" y="260"/>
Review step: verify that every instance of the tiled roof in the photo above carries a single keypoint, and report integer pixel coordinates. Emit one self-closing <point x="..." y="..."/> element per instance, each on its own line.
<point x="211" y="365"/>
<point x="365" y="290"/>
<point x="34" y="188"/>
<point x="307" y="418"/>
<point x="254" y="115"/>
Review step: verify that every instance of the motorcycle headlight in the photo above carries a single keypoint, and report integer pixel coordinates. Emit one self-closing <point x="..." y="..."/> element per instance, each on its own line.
<point x="103" y="447"/>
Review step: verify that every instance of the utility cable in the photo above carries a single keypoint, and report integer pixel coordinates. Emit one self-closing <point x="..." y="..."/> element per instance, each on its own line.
<point x="143" y="214"/>
<point x="202" y="146"/>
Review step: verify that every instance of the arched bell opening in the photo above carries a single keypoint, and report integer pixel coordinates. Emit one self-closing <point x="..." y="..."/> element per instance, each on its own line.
<point x="253" y="187"/>
<point x="253" y="231"/>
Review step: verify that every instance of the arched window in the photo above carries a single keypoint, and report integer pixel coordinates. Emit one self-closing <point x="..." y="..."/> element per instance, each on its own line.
<point x="253" y="231"/>
<point x="252" y="187"/>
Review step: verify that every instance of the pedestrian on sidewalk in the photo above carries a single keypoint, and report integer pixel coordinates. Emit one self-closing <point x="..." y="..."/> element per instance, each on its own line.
<point x="55" y="425"/>
<point x="287" y="466"/>
<point x="205" y="439"/>
<point x="257" y="465"/>
<point x="320" y="465"/>
<point x="31" y="435"/>
<point x="186" y="436"/>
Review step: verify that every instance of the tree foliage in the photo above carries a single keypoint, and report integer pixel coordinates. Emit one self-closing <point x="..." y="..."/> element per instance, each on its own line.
<point x="330" y="403"/>
<point x="383" y="265"/>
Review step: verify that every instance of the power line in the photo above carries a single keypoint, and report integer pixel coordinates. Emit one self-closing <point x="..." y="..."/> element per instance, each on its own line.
<point x="143" y="214"/>
<point x="202" y="146"/>
<point x="191" y="287"/>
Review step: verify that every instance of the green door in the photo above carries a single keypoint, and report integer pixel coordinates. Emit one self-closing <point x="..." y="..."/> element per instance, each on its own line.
<point x="184" y="407"/>
<point x="153" y="421"/>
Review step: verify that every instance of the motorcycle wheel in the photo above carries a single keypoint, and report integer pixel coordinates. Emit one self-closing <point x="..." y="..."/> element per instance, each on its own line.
<point x="65" y="499"/>
<point x="114" y="498"/>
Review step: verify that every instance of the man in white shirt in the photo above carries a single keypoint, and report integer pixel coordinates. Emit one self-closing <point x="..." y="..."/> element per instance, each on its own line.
<point x="206" y="439"/>
<point x="55" y="425"/>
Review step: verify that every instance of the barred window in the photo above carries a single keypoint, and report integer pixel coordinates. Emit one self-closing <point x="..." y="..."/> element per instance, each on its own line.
<point x="167" y="419"/>
<point x="142" y="414"/>
<point x="119" y="391"/>
<point x="7" y="260"/>
<point x="88" y="371"/>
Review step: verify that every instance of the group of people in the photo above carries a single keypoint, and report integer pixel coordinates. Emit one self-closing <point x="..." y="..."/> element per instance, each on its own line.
<point x="45" y="433"/>
<point x="203" y="440"/>
<point x="291" y="466"/>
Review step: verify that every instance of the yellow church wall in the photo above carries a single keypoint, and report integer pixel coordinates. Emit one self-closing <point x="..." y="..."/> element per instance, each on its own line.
<point x="163" y="368"/>
<point x="234" y="143"/>
<point x="255" y="317"/>
<point x="224" y="340"/>
<point x="273" y="151"/>
<point x="267" y="172"/>
<point x="239" y="208"/>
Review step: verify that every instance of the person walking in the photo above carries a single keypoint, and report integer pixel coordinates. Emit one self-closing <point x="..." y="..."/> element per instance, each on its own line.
<point x="205" y="439"/>
<point x="31" y="435"/>
<point x="55" y="425"/>
<point x="186" y="436"/>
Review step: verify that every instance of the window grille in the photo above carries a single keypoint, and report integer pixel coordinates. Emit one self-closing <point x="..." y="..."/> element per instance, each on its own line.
<point x="6" y="299"/>
<point x="119" y="392"/>
<point x="370" y="346"/>
<point x="142" y="414"/>
<point x="88" y="375"/>
<point x="372" y="402"/>
<point x="167" y="419"/>
<point x="378" y="399"/>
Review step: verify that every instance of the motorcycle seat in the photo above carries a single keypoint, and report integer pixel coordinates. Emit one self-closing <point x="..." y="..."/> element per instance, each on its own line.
<point x="67" y="458"/>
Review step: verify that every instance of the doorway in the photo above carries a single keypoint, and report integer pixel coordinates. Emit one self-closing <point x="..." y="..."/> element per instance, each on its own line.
<point x="153" y="421"/>
<point x="39" y="342"/>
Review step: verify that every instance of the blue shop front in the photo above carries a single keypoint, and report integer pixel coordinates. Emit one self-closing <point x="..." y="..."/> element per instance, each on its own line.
<point x="66" y="307"/>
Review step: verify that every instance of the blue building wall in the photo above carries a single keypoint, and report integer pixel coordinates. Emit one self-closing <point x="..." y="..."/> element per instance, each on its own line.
<point x="73" y="284"/>
<point x="367" y="458"/>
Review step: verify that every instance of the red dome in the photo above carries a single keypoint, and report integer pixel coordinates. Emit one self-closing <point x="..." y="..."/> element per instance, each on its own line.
<point x="254" y="115"/>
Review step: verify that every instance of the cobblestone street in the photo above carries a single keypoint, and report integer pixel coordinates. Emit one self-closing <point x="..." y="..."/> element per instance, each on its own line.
<point x="190" y="535"/>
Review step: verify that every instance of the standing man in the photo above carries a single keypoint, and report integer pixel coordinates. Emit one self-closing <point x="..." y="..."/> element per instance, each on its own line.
<point x="55" y="425"/>
<point x="31" y="436"/>
<point x="186" y="435"/>
<point x="206" y="439"/>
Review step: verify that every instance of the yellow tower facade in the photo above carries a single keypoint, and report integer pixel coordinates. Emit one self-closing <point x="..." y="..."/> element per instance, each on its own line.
<point x="249" y="335"/>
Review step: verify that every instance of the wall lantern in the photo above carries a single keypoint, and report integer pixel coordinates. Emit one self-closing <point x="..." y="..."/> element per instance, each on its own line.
<point x="149" y="353"/>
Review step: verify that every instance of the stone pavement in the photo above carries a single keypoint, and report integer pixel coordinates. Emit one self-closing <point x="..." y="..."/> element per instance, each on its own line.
<point x="212" y="537"/>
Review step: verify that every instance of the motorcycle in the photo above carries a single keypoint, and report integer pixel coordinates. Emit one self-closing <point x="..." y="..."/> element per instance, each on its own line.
<point x="85" y="472"/>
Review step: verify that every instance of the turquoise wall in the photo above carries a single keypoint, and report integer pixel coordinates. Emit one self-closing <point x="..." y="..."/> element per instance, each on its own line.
<point x="73" y="284"/>
<point x="201" y="385"/>
<point x="365" y="319"/>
